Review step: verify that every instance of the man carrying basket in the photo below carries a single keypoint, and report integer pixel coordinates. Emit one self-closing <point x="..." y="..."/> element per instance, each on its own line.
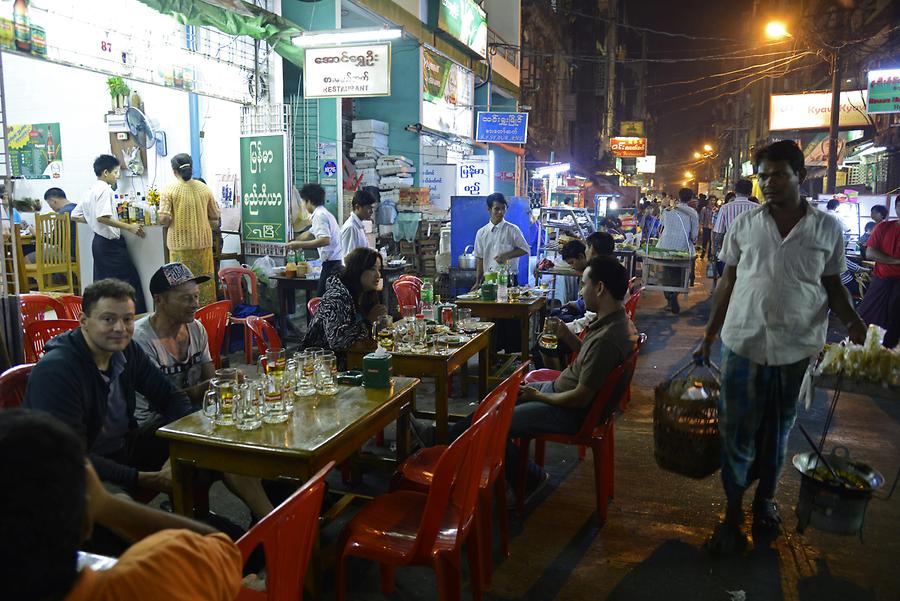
<point x="783" y="262"/>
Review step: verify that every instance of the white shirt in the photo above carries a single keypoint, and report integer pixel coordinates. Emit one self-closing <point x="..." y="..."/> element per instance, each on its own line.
<point x="492" y="240"/>
<point x="353" y="235"/>
<point x="681" y="226"/>
<point x="325" y="225"/>
<point x="729" y="212"/>
<point x="778" y="313"/>
<point x="99" y="203"/>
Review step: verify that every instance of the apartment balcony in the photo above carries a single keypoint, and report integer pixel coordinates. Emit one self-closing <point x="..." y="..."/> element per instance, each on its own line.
<point x="505" y="61"/>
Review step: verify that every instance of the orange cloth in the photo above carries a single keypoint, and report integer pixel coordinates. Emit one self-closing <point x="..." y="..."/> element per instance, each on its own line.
<point x="191" y="206"/>
<point x="175" y="565"/>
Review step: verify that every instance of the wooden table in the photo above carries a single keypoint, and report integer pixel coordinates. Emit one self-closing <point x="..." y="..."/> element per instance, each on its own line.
<point x="286" y="288"/>
<point x="518" y="310"/>
<point x="439" y="367"/>
<point x="322" y="429"/>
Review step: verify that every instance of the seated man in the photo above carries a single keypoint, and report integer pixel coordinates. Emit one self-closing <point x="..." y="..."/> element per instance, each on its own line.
<point x="88" y="378"/>
<point x="561" y="406"/>
<point x="51" y="499"/>
<point x="177" y="344"/>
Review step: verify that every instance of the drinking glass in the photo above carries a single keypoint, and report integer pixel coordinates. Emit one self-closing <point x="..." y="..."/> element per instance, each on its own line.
<point x="306" y="378"/>
<point x="549" y="339"/>
<point x="290" y="383"/>
<point x="447" y="317"/>
<point x="382" y="332"/>
<point x="248" y="409"/>
<point x="326" y="369"/>
<point x="441" y="345"/>
<point x="275" y="407"/>
<point x="229" y="373"/>
<point x="408" y="312"/>
<point x="224" y="391"/>
<point x="403" y="331"/>
<point x="465" y="317"/>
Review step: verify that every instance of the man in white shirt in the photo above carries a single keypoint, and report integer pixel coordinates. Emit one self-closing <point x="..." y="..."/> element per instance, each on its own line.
<point x="498" y="242"/>
<point x="324" y="234"/>
<point x="353" y="233"/>
<point x="108" y="248"/>
<point x="783" y="273"/>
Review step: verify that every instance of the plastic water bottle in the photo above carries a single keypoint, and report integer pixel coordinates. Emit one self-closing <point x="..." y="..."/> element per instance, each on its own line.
<point x="503" y="284"/>
<point x="695" y="393"/>
<point x="427" y="298"/>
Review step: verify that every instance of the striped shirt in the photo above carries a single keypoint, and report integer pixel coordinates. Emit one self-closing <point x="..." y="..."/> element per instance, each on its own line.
<point x="706" y="217"/>
<point x="727" y="213"/>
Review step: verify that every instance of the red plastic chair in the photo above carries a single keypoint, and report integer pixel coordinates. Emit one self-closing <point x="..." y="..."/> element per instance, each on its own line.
<point x="407" y="294"/>
<point x="287" y="536"/>
<point x="13" y="383"/>
<point x="406" y="527"/>
<point x="264" y="334"/>
<point x="35" y="307"/>
<point x="72" y="304"/>
<point x="417" y="471"/>
<point x="600" y="437"/>
<point x="313" y="305"/>
<point x="632" y="303"/>
<point x="232" y="279"/>
<point x="413" y="279"/>
<point x="214" y="318"/>
<point x="39" y="333"/>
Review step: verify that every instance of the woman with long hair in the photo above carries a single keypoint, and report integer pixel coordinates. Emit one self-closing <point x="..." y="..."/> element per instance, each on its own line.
<point x="351" y="303"/>
<point x="189" y="209"/>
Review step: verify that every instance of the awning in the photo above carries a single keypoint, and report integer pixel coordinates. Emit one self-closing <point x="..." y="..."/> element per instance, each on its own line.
<point x="239" y="18"/>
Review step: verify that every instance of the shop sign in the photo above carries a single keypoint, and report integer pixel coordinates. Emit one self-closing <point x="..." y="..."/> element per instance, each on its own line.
<point x="884" y="91"/>
<point x="463" y="20"/>
<point x="441" y="183"/>
<point x="447" y="95"/>
<point x="628" y="146"/>
<point x="510" y="128"/>
<point x="646" y="164"/>
<point x="473" y="177"/>
<point x="813" y="110"/>
<point x="631" y="129"/>
<point x="263" y="188"/>
<point x="505" y="176"/>
<point x="347" y="71"/>
<point x="35" y="150"/>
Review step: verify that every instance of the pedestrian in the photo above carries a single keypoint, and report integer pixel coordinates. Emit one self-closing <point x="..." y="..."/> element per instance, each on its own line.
<point x="783" y="262"/>
<point x="881" y="304"/>
<point x="680" y="227"/>
<point x="324" y="234"/>
<point x="736" y="202"/>
<point x="706" y="224"/>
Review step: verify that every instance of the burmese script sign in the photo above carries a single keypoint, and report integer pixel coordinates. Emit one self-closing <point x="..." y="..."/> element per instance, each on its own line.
<point x="347" y="71"/>
<point x="884" y="91"/>
<point x="263" y="188"/>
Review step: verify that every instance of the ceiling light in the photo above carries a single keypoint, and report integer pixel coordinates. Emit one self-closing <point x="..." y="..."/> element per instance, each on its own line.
<point x="345" y="36"/>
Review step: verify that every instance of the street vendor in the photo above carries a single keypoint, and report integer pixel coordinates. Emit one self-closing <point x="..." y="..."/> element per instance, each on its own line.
<point x="680" y="227"/>
<point x="783" y="265"/>
<point x="498" y="242"/>
<point x="324" y="234"/>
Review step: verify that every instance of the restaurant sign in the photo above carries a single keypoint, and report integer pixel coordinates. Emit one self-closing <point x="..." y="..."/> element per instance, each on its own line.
<point x="463" y="20"/>
<point x="884" y="91"/>
<point x="263" y="188"/>
<point x="628" y="146"/>
<point x="347" y="71"/>
<point x="633" y="129"/>
<point x="511" y="128"/>
<point x="646" y="164"/>
<point x="813" y="110"/>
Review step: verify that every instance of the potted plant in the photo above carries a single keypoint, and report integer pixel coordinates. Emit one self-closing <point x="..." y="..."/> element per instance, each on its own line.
<point x="118" y="91"/>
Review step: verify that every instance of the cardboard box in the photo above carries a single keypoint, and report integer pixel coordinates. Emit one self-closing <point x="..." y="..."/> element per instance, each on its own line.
<point x="371" y="139"/>
<point x="369" y="126"/>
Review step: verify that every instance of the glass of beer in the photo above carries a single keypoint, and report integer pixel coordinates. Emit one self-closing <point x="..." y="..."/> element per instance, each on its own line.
<point x="549" y="340"/>
<point x="248" y="410"/>
<point x="326" y="371"/>
<point x="383" y="332"/>
<point x="224" y="391"/>
<point x="273" y="395"/>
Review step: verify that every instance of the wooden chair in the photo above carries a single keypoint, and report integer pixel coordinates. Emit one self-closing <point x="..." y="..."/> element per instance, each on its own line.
<point x="39" y="333"/>
<point x="236" y="292"/>
<point x="35" y="307"/>
<point x="214" y="318"/>
<point x="72" y="305"/>
<point x="53" y="253"/>
<point x="13" y="383"/>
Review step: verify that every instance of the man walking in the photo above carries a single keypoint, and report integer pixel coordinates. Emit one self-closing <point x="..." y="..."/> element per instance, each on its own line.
<point x="783" y="265"/>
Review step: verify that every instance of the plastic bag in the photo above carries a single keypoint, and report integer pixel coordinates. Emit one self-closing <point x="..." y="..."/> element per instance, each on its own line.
<point x="266" y="265"/>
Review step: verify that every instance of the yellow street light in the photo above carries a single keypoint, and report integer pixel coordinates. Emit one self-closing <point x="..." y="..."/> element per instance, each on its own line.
<point x="697" y="155"/>
<point x="707" y="148"/>
<point x="776" y="30"/>
<point x="688" y="175"/>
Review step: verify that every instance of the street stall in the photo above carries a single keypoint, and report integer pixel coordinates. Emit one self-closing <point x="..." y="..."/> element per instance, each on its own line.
<point x="665" y="270"/>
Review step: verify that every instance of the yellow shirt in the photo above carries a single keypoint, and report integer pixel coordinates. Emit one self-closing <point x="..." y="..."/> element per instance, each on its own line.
<point x="191" y="206"/>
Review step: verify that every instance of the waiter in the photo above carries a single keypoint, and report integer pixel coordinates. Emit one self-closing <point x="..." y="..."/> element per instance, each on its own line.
<point x="353" y="233"/>
<point x="499" y="241"/>
<point x="324" y="234"/>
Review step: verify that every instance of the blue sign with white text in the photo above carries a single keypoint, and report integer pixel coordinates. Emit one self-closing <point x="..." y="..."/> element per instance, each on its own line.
<point x="511" y="128"/>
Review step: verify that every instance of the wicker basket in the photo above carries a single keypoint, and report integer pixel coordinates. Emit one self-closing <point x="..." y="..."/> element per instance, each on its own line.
<point x="686" y="432"/>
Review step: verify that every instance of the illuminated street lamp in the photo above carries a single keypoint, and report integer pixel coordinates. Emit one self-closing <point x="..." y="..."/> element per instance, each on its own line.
<point x="707" y="148"/>
<point x="688" y="175"/>
<point x="697" y="155"/>
<point x="776" y="30"/>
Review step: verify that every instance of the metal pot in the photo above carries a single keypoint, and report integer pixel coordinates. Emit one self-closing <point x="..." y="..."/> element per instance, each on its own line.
<point x="467" y="259"/>
<point x="830" y="506"/>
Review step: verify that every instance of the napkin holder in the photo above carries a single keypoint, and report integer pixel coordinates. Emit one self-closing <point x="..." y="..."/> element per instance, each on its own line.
<point x="377" y="369"/>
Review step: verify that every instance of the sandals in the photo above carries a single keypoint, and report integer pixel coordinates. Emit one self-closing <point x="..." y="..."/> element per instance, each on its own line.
<point x="726" y="539"/>
<point x="765" y="514"/>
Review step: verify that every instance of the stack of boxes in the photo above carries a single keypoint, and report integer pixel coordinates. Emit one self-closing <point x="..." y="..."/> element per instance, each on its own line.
<point x="370" y="141"/>
<point x="428" y="239"/>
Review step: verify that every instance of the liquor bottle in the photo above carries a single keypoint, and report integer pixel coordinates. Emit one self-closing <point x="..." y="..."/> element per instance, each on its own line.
<point x="51" y="146"/>
<point x="22" y="26"/>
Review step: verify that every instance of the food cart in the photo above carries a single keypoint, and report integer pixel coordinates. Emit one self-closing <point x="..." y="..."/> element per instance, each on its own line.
<point x="665" y="270"/>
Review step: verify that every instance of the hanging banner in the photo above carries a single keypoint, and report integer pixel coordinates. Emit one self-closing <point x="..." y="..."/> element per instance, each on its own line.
<point x="628" y="147"/>
<point x="813" y="110"/>
<point x="884" y="91"/>
<point x="35" y="151"/>
<point x="347" y="71"/>
<point x="447" y="95"/>
<point x="510" y="128"/>
<point x="263" y="188"/>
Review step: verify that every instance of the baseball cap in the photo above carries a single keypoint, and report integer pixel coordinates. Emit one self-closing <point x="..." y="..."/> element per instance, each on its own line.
<point x="172" y="275"/>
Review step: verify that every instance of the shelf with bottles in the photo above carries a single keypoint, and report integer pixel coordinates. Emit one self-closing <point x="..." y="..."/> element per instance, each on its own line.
<point x="135" y="208"/>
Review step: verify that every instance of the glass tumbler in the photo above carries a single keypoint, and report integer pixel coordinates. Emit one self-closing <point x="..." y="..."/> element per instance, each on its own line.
<point x="326" y="370"/>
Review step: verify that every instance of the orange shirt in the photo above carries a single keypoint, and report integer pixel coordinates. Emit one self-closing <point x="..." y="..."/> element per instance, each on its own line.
<point x="175" y="565"/>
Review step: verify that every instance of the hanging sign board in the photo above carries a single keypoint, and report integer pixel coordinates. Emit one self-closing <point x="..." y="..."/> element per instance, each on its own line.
<point x="347" y="71"/>
<point x="264" y="188"/>
<point x="628" y="146"/>
<point x="35" y="150"/>
<point x="633" y="129"/>
<point x="463" y="20"/>
<point x="646" y="164"/>
<point x="448" y="92"/>
<point x="884" y="91"/>
<point x="510" y="128"/>
<point x="473" y="177"/>
<point x="813" y="111"/>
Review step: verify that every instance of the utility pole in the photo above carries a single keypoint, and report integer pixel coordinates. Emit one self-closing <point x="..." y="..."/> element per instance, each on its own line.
<point x="611" y="43"/>
<point x="831" y="175"/>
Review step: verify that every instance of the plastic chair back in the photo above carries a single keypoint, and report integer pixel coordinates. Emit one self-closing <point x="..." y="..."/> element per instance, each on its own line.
<point x="287" y="536"/>
<point x="72" y="305"/>
<point x="39" y="333"/>
<point x="233" y="286"/>
<point x="411" y="278"/>
<point x="313" y="305"/>
<point x="264" y="334"/>
<point x="13" y="383"/>
<point x="632" y="303"/>
<point x="495" y="448"/>
<point x="214" y="318"/>
<point x="407" y="294"/>
<point x="35" y="306"/>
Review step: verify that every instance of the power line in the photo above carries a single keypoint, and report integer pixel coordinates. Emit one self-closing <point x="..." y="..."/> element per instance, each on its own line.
<point x="702" y="59"/>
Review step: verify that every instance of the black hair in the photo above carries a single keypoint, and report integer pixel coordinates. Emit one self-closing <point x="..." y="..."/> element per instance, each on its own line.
<point x="54" y="193"/>
<point x="870" y="226"/>
<point x="496" y="197"/>
<point x="883" y="210"/>
<point x="358" y="261"/>
<point x="832" y="204"/>
<point x="374" y="191"/>
<point x="363" y="198"/>
<point x="105" y="162"/>
<point x="108" y="288"/>
<point x="685" y="194"/>
<point x="784" y="150"/>
<point x="602" y="243"/>
<point x="573" y="249"/>
<point x="730" y="195"/>
<point x="183" y="165"/>
<point x="42" y="505"/>
<point x="608" y="270"/>
<point x="314" y="193"/>
<point x="744" y="187"/>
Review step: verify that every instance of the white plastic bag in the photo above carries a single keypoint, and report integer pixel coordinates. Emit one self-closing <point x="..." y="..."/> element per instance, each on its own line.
<point x="266" y="265"/>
